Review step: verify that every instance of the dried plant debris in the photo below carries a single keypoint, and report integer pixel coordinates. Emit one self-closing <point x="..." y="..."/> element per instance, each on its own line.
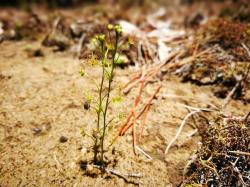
<point x="17" y="25"/>
<point x="224" y="156"/>
<point x="238" y="11"/>
<point x="31" y="28"/>
<point x="220" y="56"/>
<point x="228" y="34"/>
<point x="58" y="36"/>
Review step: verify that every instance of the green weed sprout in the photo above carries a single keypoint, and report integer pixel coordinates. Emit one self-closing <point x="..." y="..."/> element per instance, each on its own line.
<point x="107" y="49"/>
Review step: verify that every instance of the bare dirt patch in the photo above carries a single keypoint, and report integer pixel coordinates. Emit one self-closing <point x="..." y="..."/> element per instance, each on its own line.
<point x="41" y="100"/>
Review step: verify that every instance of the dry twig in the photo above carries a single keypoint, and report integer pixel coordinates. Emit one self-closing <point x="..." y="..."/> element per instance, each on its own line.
<point x="180" y="129"/>
<point x="240" y="153"/>
<point x="195" y="110"/>
<point x="119" y="174"/>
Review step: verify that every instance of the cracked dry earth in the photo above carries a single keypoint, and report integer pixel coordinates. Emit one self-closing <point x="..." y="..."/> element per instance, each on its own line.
<point x="41" y="99"/>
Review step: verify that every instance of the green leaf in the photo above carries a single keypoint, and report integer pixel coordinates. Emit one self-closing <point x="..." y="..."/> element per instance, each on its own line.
<point x="120" y="59"/>
<point x="83" y="133"/>
<point x="117" y="99"/>
<point x="105" y="62"/>
<point x="82" y="73"/>
<point x="89" y="98"/>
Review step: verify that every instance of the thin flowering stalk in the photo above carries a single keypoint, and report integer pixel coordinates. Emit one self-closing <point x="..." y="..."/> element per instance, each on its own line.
<point x="110" y="80"/>
<point x="100" y="39"/>
<point x="108" y="48"/>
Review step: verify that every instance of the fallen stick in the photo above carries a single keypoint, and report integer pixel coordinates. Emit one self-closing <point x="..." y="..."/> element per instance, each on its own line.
<point x="230" y="95"/>
<point x="180" y="129"/>
<point x="187" y="59"/>
<point x="132" y="112"/>
<point x="150" y="72"/>
<point x="134" y="133"/>
<point x="240" y="153"/>
<point x="122" y="174"/>
<point x="144" y="121"/>
<point x="79" y="46"/>
<point x="155" y="69"/>
<point x="235" y="169"/>
<point x="143" y="152"/>
<point x="136" y="77"/>
<point x="119" y="174"/>
<point x="125" y="126"/>
<point x="128" y="125"/>
<point x="195" y="110"/>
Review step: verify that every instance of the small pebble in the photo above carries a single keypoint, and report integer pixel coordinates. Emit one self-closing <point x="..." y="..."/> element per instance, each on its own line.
<point x="86" y="105"/>
<point x="83" y="165"/>
<point x="35" y="53"/>
<point x="37" y="130"/>
<point x="63" y="139"/>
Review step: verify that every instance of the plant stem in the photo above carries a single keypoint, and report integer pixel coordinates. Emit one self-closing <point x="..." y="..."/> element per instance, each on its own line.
<point x="100" y="100"/>
<point x="96" y="147"/>
<point x="108" y="96"/>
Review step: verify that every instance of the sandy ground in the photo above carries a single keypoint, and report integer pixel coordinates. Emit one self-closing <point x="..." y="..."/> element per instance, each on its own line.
<point x="47" y="93"/>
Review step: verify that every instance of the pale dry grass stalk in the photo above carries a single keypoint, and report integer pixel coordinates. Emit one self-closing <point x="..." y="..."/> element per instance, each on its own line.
<point x="180" y="129"/>
<point x="194" y="111"/>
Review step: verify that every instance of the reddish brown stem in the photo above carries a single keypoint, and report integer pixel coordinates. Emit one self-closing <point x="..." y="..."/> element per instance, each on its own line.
<point x="127" y="126"/>
<point x="143" y="122"/>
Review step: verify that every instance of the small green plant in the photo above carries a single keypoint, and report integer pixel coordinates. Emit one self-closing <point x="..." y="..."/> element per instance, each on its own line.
<point x="107" y="48"/>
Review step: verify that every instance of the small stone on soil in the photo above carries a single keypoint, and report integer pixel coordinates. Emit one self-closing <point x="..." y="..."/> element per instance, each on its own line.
<point x="63" y="139"/>
<point x="86" y="105"/>
<point x="37" y="130"/>
<point x="35" y="53"/>
<point x="83" y="165"/>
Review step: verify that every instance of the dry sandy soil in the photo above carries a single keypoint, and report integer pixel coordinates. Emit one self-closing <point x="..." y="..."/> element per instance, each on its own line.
<point x="41" y="99"/>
